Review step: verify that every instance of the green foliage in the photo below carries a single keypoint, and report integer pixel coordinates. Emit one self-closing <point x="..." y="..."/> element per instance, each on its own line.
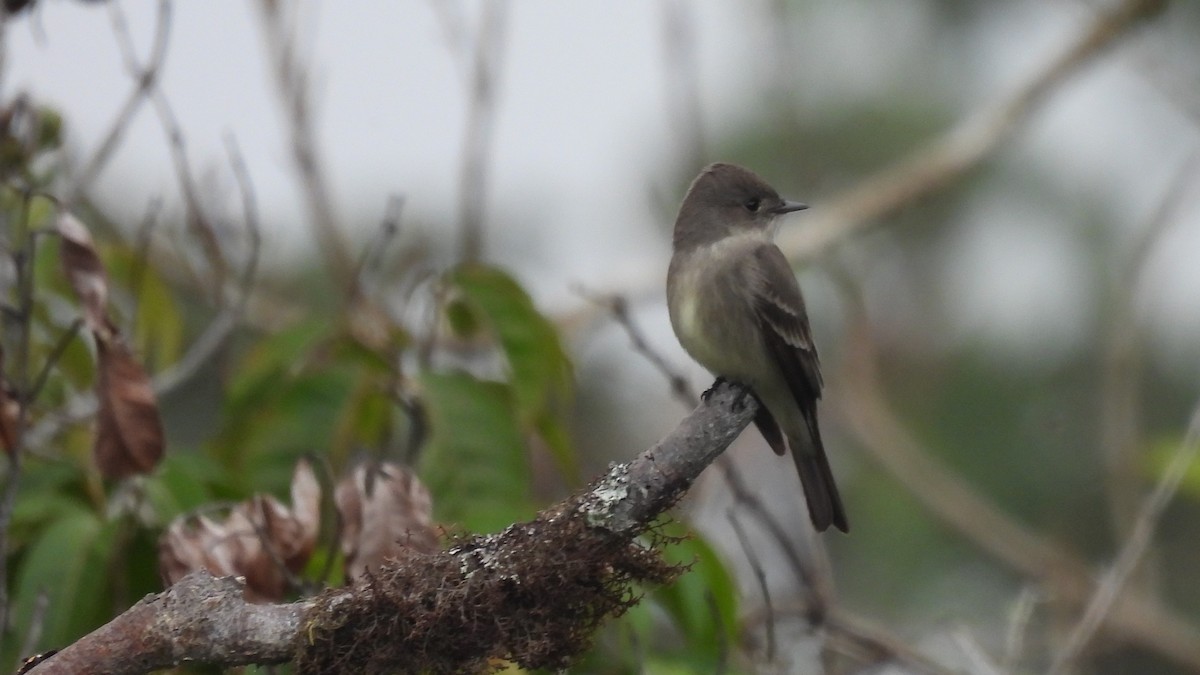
<point x="686" y="627"/>
<point x="477" y="464"/>
<point x="67" y="562"/>
<point x="540" y="369"/>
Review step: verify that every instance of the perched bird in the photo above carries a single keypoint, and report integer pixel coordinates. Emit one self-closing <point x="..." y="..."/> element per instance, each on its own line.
<point x="737" y="309"/>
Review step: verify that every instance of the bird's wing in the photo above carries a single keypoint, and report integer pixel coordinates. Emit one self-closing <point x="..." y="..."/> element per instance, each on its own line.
<point x="779" y="309"/>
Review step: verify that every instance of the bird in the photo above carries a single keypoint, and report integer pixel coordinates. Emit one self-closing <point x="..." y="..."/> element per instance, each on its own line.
<point x="737" y="309"/>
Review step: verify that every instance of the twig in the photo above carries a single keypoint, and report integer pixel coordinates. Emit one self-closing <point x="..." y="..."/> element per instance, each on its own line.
<point x="481" y="120"/>
<point x="23" y="258"/>
<point x="53" y="357"/>
<point x="759" y="575"/>
<point x="1121" y="365"/>
<point x="141" y="258"/>
<point x="145" y="79"/>
<point x="1019" y="617"/>
<point x="199" y="224"/>
<point x="1104" y="598"/>
<point x="292" y="83"/>
<point x="854" y="634"/>
<point x="948" y="157"/>
<point x="981" y="664"/>
<point x="1137" y="617"/>
<point x="251" y="219"/>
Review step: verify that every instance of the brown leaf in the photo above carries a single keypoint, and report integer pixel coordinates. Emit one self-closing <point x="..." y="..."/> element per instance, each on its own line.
<point x="84" y="270"/>
<point x="383" y="508"/>
<point x="261" y="540"/>
<point x="129" y="433"/>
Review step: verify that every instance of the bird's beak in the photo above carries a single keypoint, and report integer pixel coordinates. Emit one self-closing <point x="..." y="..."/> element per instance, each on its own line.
<point x="788" y="206"/>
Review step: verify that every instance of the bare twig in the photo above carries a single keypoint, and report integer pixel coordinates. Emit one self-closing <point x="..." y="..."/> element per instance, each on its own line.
<point x="145" y="79"/>
<point x="981" y="663"/>
<point x="1019" y="616"/>
<point x="1135" y="617"/>
<point x="481" y="119"/>
<point x="22" y="259"/>
<point x="141" y="257"/>
<point x="1121" y="365"/>
<point x="1104" y="598"/>
<point x="200" y="225"/>
<point x="760" y="576"/>
<point x="252" y="224"/>
<point x="292" y="82"/>
<point x="855" y="636"/>
<point x="948" y="157"/>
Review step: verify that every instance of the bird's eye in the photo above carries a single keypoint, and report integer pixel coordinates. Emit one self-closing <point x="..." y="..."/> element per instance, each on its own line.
<point x="752" y="204"/>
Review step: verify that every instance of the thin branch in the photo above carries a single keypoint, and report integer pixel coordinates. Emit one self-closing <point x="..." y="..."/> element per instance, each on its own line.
<point x="292" y="82"/>
<point x="948" y="157"/>
<point x="981" y="663"/>
<point x="481" y="121"/>
<point x="1135" y="617"/>
<point x="22" y="259"/>
<point x="1121" y="366"/>
<point x="760" y="576"/>
<point x="199" y="223"/>
<point x="1019" y="617"/>
<point x="1103" y="600"/>
<point x="252" y="224"/>
<point x="145" y="79"/>
<point x="53" y="358"/>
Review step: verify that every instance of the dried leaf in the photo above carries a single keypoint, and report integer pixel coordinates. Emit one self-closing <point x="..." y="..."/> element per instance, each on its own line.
<point x="84" y="270"/>
<point x="129" y="433"/>
<point x="383" y="508"/>
<point x="261" y="540"/>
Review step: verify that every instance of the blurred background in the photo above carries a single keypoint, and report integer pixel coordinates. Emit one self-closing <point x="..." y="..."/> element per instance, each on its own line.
<point x="1011" y="347"/>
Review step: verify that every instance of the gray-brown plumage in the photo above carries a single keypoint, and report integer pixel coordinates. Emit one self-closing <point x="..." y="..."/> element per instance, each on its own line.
<point x="737" y="309"/>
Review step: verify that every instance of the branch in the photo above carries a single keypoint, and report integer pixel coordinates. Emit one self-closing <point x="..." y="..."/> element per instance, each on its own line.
<point x="1136" y="617"/>
<point x="1105" y="596"/>
<point x="532" y="594"/>
<point x="948" y="157"/>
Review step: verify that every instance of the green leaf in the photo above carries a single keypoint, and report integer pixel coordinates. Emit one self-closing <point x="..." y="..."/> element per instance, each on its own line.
<point x="476" y="464"/>
<point x="69" y="563"/>
<point x="541" y="371"/>
<point x="183" y="481"/>
<point x="1162" y="453"/>
<point x="703" y="601"/>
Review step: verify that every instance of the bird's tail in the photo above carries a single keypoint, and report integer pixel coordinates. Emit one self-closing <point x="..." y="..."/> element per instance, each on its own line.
<point x="824" y="503"/>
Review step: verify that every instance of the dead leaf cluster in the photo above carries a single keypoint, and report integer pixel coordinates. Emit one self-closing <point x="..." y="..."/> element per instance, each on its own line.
<point x="382" y="507"/>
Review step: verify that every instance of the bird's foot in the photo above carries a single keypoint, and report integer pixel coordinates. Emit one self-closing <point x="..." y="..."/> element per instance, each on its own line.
<point x="709" y="392"/>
